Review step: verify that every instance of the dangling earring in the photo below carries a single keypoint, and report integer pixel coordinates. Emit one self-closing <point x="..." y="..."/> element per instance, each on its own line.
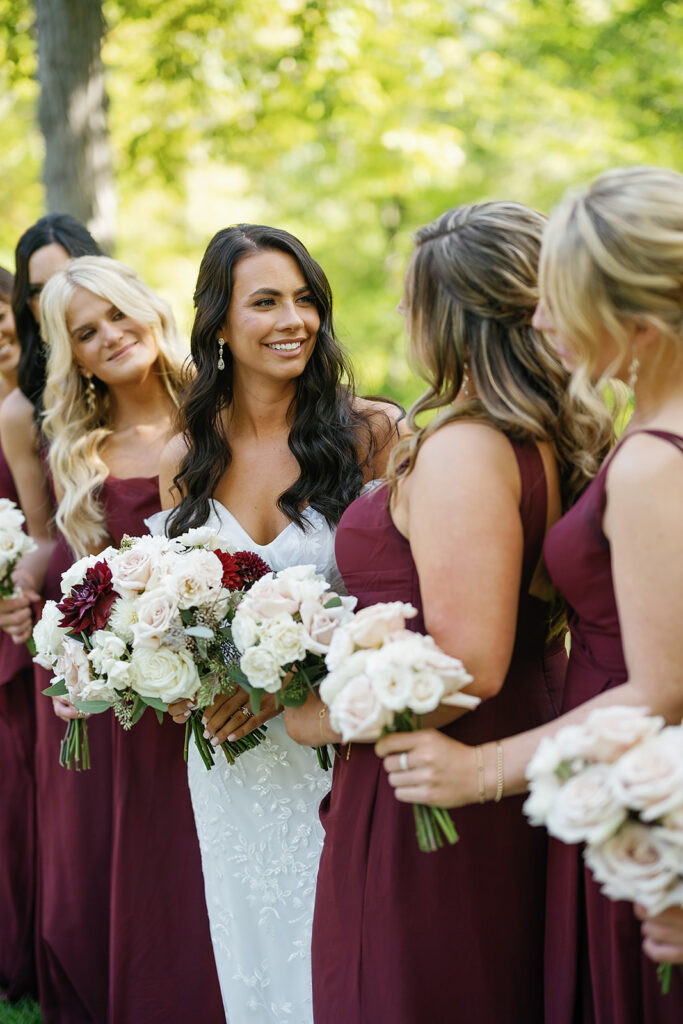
<point x="466" y="379"/>
<point x="633" y="368"/>
<point x="90" y="395"/>
<point x="221" y="364"/>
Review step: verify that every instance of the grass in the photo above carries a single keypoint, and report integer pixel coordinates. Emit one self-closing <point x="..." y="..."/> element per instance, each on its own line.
<point x="23" y="1012"/>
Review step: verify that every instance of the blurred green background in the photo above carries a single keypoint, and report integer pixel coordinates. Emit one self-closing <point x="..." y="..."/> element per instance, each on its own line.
<point x="350" y="123"/>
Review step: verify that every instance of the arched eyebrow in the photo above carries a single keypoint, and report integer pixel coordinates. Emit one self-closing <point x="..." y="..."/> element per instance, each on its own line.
<point x="274" y="291"/>
<point x="83" y="327"/>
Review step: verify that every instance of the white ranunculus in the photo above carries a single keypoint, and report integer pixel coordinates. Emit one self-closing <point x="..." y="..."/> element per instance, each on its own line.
<point x="261" y="669"/>
<point x="165" y="674"/>
<point x="75" y="574"/>
<point x="635" y="865"/>
<point x="586" y="809"/>
<point x="48" y="635"/>
<point x="542" y="795"/>
<point x="649" y="777"/>
<point x="357" y="713"/>
<point x="334" y="682"/>
<point x="122" y="618"/>
<point x="428" y="690"/>
<point x="197" y="576"/>
<point x="157" y="612"/>
<point x="284" y="638"/>
<point x="610" y="732"/>
<point x="244" y="631"/>
<point x="320" y="623"/>
<point x="267" y="599"/>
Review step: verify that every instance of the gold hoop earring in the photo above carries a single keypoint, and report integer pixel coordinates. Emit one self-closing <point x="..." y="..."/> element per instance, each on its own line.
<point x="90" y="395"/>
<point x="634" y="367"/>
<point x="221" y="363"/>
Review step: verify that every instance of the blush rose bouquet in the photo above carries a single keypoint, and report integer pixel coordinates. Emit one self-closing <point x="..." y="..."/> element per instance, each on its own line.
<point x="14" y="543"/>
<point x="143" y="625"/>
<point x="383" y="678"/>
<point x="615" y="783"/>
<point x="283" y="628"/>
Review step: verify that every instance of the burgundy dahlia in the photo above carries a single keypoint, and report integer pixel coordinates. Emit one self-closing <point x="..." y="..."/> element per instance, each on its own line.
<point x="87" y="607"/>
<point x="251" y="567"/>
<point x="232" y="579"/>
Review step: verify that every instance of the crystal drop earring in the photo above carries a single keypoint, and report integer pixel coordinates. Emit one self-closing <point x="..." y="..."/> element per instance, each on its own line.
<point x="466" y="379"/>
<point x="633" y="369"/>
<point x="90" y="395"/>
<point x="221" y="363"/>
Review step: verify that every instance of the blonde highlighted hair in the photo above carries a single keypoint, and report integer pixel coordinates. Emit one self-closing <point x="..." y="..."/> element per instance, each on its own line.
<point x="75" y="432"/>
<point x="612" y="256"/>
<point x="471" y="293"/>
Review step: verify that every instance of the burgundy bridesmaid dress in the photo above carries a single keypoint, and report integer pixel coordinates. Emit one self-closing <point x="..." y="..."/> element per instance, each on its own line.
<point x="596" y="972"/>
<point x="405" y="937"/>
<point x="161" y="964"/>
<point x="17" y="806"/>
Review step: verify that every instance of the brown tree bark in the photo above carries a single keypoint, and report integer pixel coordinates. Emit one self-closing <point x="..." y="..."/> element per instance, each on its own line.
<point x="73" y="114"/>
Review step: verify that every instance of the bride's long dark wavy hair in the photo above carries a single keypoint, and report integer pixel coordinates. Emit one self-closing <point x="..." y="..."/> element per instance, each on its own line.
<point x="330" y="438"/>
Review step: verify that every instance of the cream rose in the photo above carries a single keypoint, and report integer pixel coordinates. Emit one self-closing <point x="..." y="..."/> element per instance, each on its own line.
<point x="205" y="537"/>
<point x="635" y="865"/>
<point x="427" y="691"/>
<point x="670" y="829"/>
<point x="334" y="682"/>
<point x="284" y="638"/>
<point x="610" y="732"/>
<point x="108" y="657"/>
<point x="542" y="795"/>
<point x="301" y="583"/>
<point x="197" y="576"/>
<point x="73" y="667"/>
<point x="586" y="809"/>
<point x="649" y="778"/>
<point x="392" y="680"/>
<point x="320" y="623"/>
<point x="244" y="631"/>
<point x="75" y="574"/>
<point x="11" y="517"/>
<point x="157" y="612"/>
<point x="261" y="669"/>
<point x="267" y="600"/>
<point x="131" y="569"/>
<point x="370" y="627"/>
<point x="357" y="713"/>
<point x="165" y="674"/>
<point x="48" y="635"/>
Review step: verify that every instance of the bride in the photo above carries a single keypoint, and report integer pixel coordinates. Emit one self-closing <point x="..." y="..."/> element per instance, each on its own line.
<point x="273" y="446"/>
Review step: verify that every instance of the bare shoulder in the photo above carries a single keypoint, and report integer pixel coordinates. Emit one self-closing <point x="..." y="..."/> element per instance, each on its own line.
<point x="17" y="414"/>
<point x="642" y="461"/>
<point x="171" y="457"/>
<point x="465" y="444"/>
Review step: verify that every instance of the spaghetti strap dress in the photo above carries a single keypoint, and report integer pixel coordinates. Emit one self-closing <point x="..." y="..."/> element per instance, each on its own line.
<point x="596" y="972"/>
<point x="405" y="937"/>
<point x="161" y="964"/>
<point x="17" y="806"/>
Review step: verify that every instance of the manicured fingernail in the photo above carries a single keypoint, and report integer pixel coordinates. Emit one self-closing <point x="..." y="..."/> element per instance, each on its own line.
<point x="231" y="737"/>
<point x="204" y="721"/>
<point x="215" y="741"/>
<point x="192" y="706"/>
<point x="186" y="714"/>
<point x="207" y="734"/>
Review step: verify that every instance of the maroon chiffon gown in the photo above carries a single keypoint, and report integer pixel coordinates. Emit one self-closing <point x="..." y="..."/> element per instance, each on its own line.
<point x="405" y="937"/>
<point x="596" y="972"/>
<point x="17" y="806"/>
<point x="162" y="968"/>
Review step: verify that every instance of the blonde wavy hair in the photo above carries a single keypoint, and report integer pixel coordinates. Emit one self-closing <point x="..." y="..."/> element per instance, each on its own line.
<point x="76" y="433"/>
<point x="613" y="255"/>
<point x="471" y="293"/>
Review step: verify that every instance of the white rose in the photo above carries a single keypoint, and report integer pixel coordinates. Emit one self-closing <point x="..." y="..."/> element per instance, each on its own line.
<point x="244" y="631"/>
<point x="392" y="680"/>
<point x="197" y="576"/>
<point x="341" y="648"/>
<point x="48" y="635"/>
<point x="301" y="583"/>
<point x="543" y="792"/>
<point x="634" y="865"/>
<point x="427" y="693"/>
<point x="11" y="545"/>
<point x="11" y="517"/>
<point x="586" y="809"/>
<point x="261" y="669"/>
<point x="610" y="732"/>
<point x="334" y="682"/>
<point x="106" y="658"/>
<point x="320" y="622"/>
<point x="204" y="537"/>
<point x="649" y="778"/>
<point x="357" y="713"/>
<point x="670" y="829"/>
<point x="157" y="612"/>
<point x="165" y="674"/>
<point x="73" y="667"/>
<point x="131" y="569"/>
<point x="285" y="639"/>
<point x="546" y="760"/>
<point x="267" y="600"/>
<point x="75" y="574"/>
<point x="371" y="626"/>
<point x="122" y="617"/>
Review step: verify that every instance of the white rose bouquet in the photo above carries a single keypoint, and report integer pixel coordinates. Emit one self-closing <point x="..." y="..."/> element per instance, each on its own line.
<point x="384" y="678"/>
<point x="615" y="783"/>
<point x="14" y="542"/>
<point x="141" y="626"/>
<point x="283" y="628"/>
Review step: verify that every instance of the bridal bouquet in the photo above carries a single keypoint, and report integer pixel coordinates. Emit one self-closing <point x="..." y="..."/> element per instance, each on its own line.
<point x="144" y="625"/>
<point x="384" y="678"/>
<point x="615" y="783"/>
<point x="283" y="628"/>
<point x="14" y="543"/>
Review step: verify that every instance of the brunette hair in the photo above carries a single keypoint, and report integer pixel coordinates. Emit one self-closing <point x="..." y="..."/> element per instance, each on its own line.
<point x="471" y="292"/>
<point x="330" y="438"/>
<point x="6" y="285"/>
<point x="64" y="230"/>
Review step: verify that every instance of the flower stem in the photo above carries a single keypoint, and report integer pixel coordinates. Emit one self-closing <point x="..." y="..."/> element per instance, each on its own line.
<point x="664" y="977"/>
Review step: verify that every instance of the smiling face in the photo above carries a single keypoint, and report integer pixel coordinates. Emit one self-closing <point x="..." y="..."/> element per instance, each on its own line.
<point x="41" y="266"/>
<point x="107" y="343"/>
<point x="9" y="345"/>
<point x="272" y="321"/>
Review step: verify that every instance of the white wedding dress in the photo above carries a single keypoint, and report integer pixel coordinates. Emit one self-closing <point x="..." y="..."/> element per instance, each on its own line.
<point x="259" y="832"/>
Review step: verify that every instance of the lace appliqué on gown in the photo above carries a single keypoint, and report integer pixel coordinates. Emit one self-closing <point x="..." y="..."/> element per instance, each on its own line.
<point x="259" y="832"/>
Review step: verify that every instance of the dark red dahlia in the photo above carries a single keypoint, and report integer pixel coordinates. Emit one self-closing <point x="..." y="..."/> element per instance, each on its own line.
<point x="87" y="607"/>
<point x="251" y="567"/>
<point x="232" y="579"/>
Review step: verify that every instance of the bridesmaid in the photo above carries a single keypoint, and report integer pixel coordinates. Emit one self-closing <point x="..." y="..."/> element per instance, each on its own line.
<point x="611" y="286"/>
<point x="17" y="731"/>
<point x="400" y="935"/>
<point x="112" y="384"/>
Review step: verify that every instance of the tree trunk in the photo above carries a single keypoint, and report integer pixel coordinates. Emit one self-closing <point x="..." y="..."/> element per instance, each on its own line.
<point x="73" y="114"/>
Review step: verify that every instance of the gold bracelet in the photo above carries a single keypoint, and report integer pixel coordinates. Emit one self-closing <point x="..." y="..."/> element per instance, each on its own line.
<point x="499" y="773"/>
<point x="321" y="715"/>
<point x="480" y="774"/>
